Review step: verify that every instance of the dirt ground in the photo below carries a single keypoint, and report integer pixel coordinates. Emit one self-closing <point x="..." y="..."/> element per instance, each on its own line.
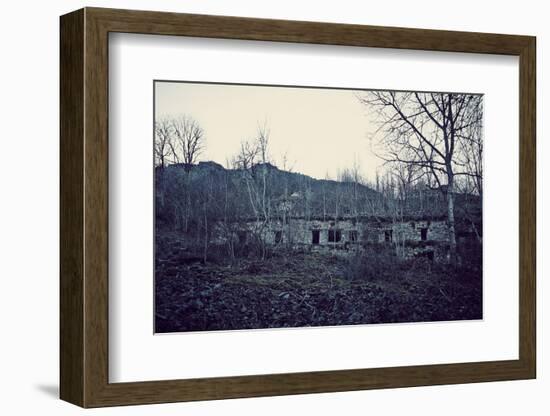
<point x="306" y="289"/>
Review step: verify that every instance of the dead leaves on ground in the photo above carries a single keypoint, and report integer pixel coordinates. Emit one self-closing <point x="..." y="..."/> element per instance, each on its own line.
<point x="302" y="290"/>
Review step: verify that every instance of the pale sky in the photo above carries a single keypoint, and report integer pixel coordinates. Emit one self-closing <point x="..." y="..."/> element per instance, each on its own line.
<point x="321" y="130"/>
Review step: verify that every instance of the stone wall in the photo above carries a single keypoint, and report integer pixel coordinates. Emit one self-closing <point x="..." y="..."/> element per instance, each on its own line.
<point x="410" y="238"/>
<point x="318" y="232"/>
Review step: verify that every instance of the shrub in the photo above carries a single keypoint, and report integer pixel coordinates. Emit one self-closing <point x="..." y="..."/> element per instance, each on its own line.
<point x="373" y="263"/>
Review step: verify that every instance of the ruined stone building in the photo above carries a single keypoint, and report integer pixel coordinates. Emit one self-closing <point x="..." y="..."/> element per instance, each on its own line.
<point x="410" y="236"/>
<point x="291" y="210"/>
<point x="427" y="237"/>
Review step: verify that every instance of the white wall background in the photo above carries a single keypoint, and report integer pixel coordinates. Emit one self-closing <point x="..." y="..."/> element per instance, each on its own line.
<point x="29" y="209"/>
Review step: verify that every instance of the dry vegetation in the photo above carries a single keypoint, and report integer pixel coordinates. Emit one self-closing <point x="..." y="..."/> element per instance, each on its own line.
<point x="309" y="289"/>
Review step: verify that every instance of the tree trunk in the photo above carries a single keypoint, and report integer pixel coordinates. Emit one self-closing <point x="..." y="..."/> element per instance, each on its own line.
<point x="205" y="254"/>
<point x="451" y="221"/>
<point x="160" y="188"/>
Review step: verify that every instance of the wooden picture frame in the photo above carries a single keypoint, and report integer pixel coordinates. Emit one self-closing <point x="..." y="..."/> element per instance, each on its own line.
<point x="84" y="207"/>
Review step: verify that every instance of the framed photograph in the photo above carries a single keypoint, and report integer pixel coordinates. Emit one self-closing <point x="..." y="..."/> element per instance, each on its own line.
<point x="255" y="207"/>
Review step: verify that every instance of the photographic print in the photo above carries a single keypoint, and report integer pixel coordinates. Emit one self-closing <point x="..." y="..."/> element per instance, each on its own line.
<point x="288" y="206"/>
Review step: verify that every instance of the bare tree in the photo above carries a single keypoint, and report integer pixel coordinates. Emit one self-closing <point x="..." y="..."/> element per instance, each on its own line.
<point x="427" y="130"/>
<point x="252" y="162"/>
<point x="471" y="159"/>
<point x="244" y="161"/>
<point x="263" y="147"/>
<point x="285" y="205"/>
<point x="406" y="176"/>
<point x="189" y="140"/>
<point x="206" y="197"/>
<point x="179" y="139"/>
<point x="354" y="177"/>
<point x="470" y="155"/>
<point x="324" y="190"/>
<point x="164" y="142"/>
<point x="163" y="154"/>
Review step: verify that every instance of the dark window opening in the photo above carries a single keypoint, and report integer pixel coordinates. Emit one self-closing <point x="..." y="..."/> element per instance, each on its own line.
<point x="388" y="234"/>
<point x="423" y="234"/>
<point x="278" y="237"/>
<point x="426" y="254"/>
<point x="315" y="236"/>
<point x="353" y="235"/>
<point x="334" y="236"/>
<point x="413" y="225"/>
